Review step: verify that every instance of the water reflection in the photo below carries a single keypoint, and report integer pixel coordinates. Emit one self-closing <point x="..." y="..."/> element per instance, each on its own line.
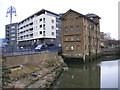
<point x="100" y="74"/>
<point x="109" y="74"/>
<point x="80" y="76"/>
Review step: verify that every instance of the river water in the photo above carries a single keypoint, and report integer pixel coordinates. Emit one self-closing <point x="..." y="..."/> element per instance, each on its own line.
<point x="97" y="74"/>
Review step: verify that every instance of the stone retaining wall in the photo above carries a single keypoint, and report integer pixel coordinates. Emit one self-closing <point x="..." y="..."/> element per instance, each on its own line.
<point x="34" y="59"/>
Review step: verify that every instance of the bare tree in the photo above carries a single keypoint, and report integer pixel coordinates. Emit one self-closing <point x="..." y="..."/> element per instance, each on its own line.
<point x="107" y="36"/>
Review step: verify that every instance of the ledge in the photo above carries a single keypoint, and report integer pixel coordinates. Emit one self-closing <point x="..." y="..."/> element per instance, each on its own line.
<point x="72" y="41"/>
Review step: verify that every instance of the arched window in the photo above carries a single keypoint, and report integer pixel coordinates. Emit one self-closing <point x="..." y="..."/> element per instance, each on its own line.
<point x="66" y="29"/>
<point x="72" y="47"/>
<point x="71" y="28"/>
<point x="77" y="47"/>
<point x="66" y="48"/>
<point x="78" y="38"/>
<point x="66" y="39"/>
<point x="77" y="27"/>
<point x="72" y="38"/>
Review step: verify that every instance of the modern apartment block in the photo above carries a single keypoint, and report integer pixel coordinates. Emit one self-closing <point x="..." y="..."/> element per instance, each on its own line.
<point x="1" y="44"/>
<point x="11" y="35"/>
<point x="80" y="33"/>
<point x="43" y="27"/>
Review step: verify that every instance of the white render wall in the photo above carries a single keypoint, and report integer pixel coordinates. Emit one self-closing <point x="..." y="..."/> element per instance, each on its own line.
<point x="36" y="27"/>
<point x="48" y="24"/>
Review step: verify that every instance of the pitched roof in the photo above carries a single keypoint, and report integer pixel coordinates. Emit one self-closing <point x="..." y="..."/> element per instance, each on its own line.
<point x="91" y="15"/>
<point x="63" y="15"/>
<point x="87" y="16"/>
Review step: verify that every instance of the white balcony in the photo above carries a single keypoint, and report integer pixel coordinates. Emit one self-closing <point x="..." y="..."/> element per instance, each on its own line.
<point x="26" y="38"/>
<point x="30" y="21"/>
<point x="31" y="26"/>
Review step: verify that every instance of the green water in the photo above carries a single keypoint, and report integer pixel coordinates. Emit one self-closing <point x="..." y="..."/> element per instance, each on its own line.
<point x="97" y="74"/>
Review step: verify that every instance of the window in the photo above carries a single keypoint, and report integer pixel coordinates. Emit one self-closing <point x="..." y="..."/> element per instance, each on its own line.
<point x="71" y="28"/>
<point x="71" y="19"/>
<point x="12" y="34"/>
<point x="57" y="25"/>
<point x="66" y="48"/>
<point x="57" y="19"/>
<point x="40" y="32"/>
<point x="52" y="27"/>
<point x="12" y="43"/>
<point x="12" y="38"/>
<point x="77" y="47"/>
<point x="43" y="26"/>
<point x="43" y="33"/>
<point x="77" y="38"/>
<point x="72" y="47"/>
<point x="40" y="26"/>
<point x="85" y="47"/>
<point x="72" y="38"/>
<point x="44" y="20"/>
<point x="8" y="27"/>
<point x="40" y="19"/>
<point x="66" y="29"/>
<point x="77" y="18"/>
<point x="77" y="27"/>
<point x="34" y="40"/>
<point x="66" y="39"/>
<point x="52" y="21"/>
<point x="42" y="40"/>
<point x="57" y="34"/>
<point x="12" y="27"/>
<point x="53" y="33"/>
<point x="13" y="31"/>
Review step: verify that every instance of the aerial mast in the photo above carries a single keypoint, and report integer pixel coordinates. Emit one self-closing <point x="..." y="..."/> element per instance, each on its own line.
<point x="11" y="10"/>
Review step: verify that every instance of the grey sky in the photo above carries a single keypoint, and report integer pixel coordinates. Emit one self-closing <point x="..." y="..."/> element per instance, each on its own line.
<point x="106" y="9"/>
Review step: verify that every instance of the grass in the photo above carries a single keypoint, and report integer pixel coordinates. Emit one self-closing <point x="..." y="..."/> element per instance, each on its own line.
<point x="50" y="63"/>
<point x="23" y="72"/>
<point x="5" y="76"/>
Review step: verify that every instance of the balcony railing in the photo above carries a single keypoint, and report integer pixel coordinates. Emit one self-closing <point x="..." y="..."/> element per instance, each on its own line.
<point x="26" y="23"/>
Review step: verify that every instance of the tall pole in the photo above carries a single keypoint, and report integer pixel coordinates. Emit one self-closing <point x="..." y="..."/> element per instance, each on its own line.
<point x="11" y="15"/>
<point x="11" y="10"/>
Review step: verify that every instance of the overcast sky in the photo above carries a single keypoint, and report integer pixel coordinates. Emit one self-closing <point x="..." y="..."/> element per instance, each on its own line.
<point x="106" y="9"/>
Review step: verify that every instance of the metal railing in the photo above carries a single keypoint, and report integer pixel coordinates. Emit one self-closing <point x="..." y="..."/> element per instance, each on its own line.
<point x="12" y="51"/>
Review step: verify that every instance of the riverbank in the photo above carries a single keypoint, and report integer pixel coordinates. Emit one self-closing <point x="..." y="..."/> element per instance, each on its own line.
<point x="32" y="76"/>
<point x="105" y="52"/>
<point x="96" y="74"/>
<point x="42" y="74"/>
<point x="83" y="59"/>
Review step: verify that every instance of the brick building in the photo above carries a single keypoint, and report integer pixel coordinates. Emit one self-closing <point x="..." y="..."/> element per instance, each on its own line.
<point x="80" y="33"/>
